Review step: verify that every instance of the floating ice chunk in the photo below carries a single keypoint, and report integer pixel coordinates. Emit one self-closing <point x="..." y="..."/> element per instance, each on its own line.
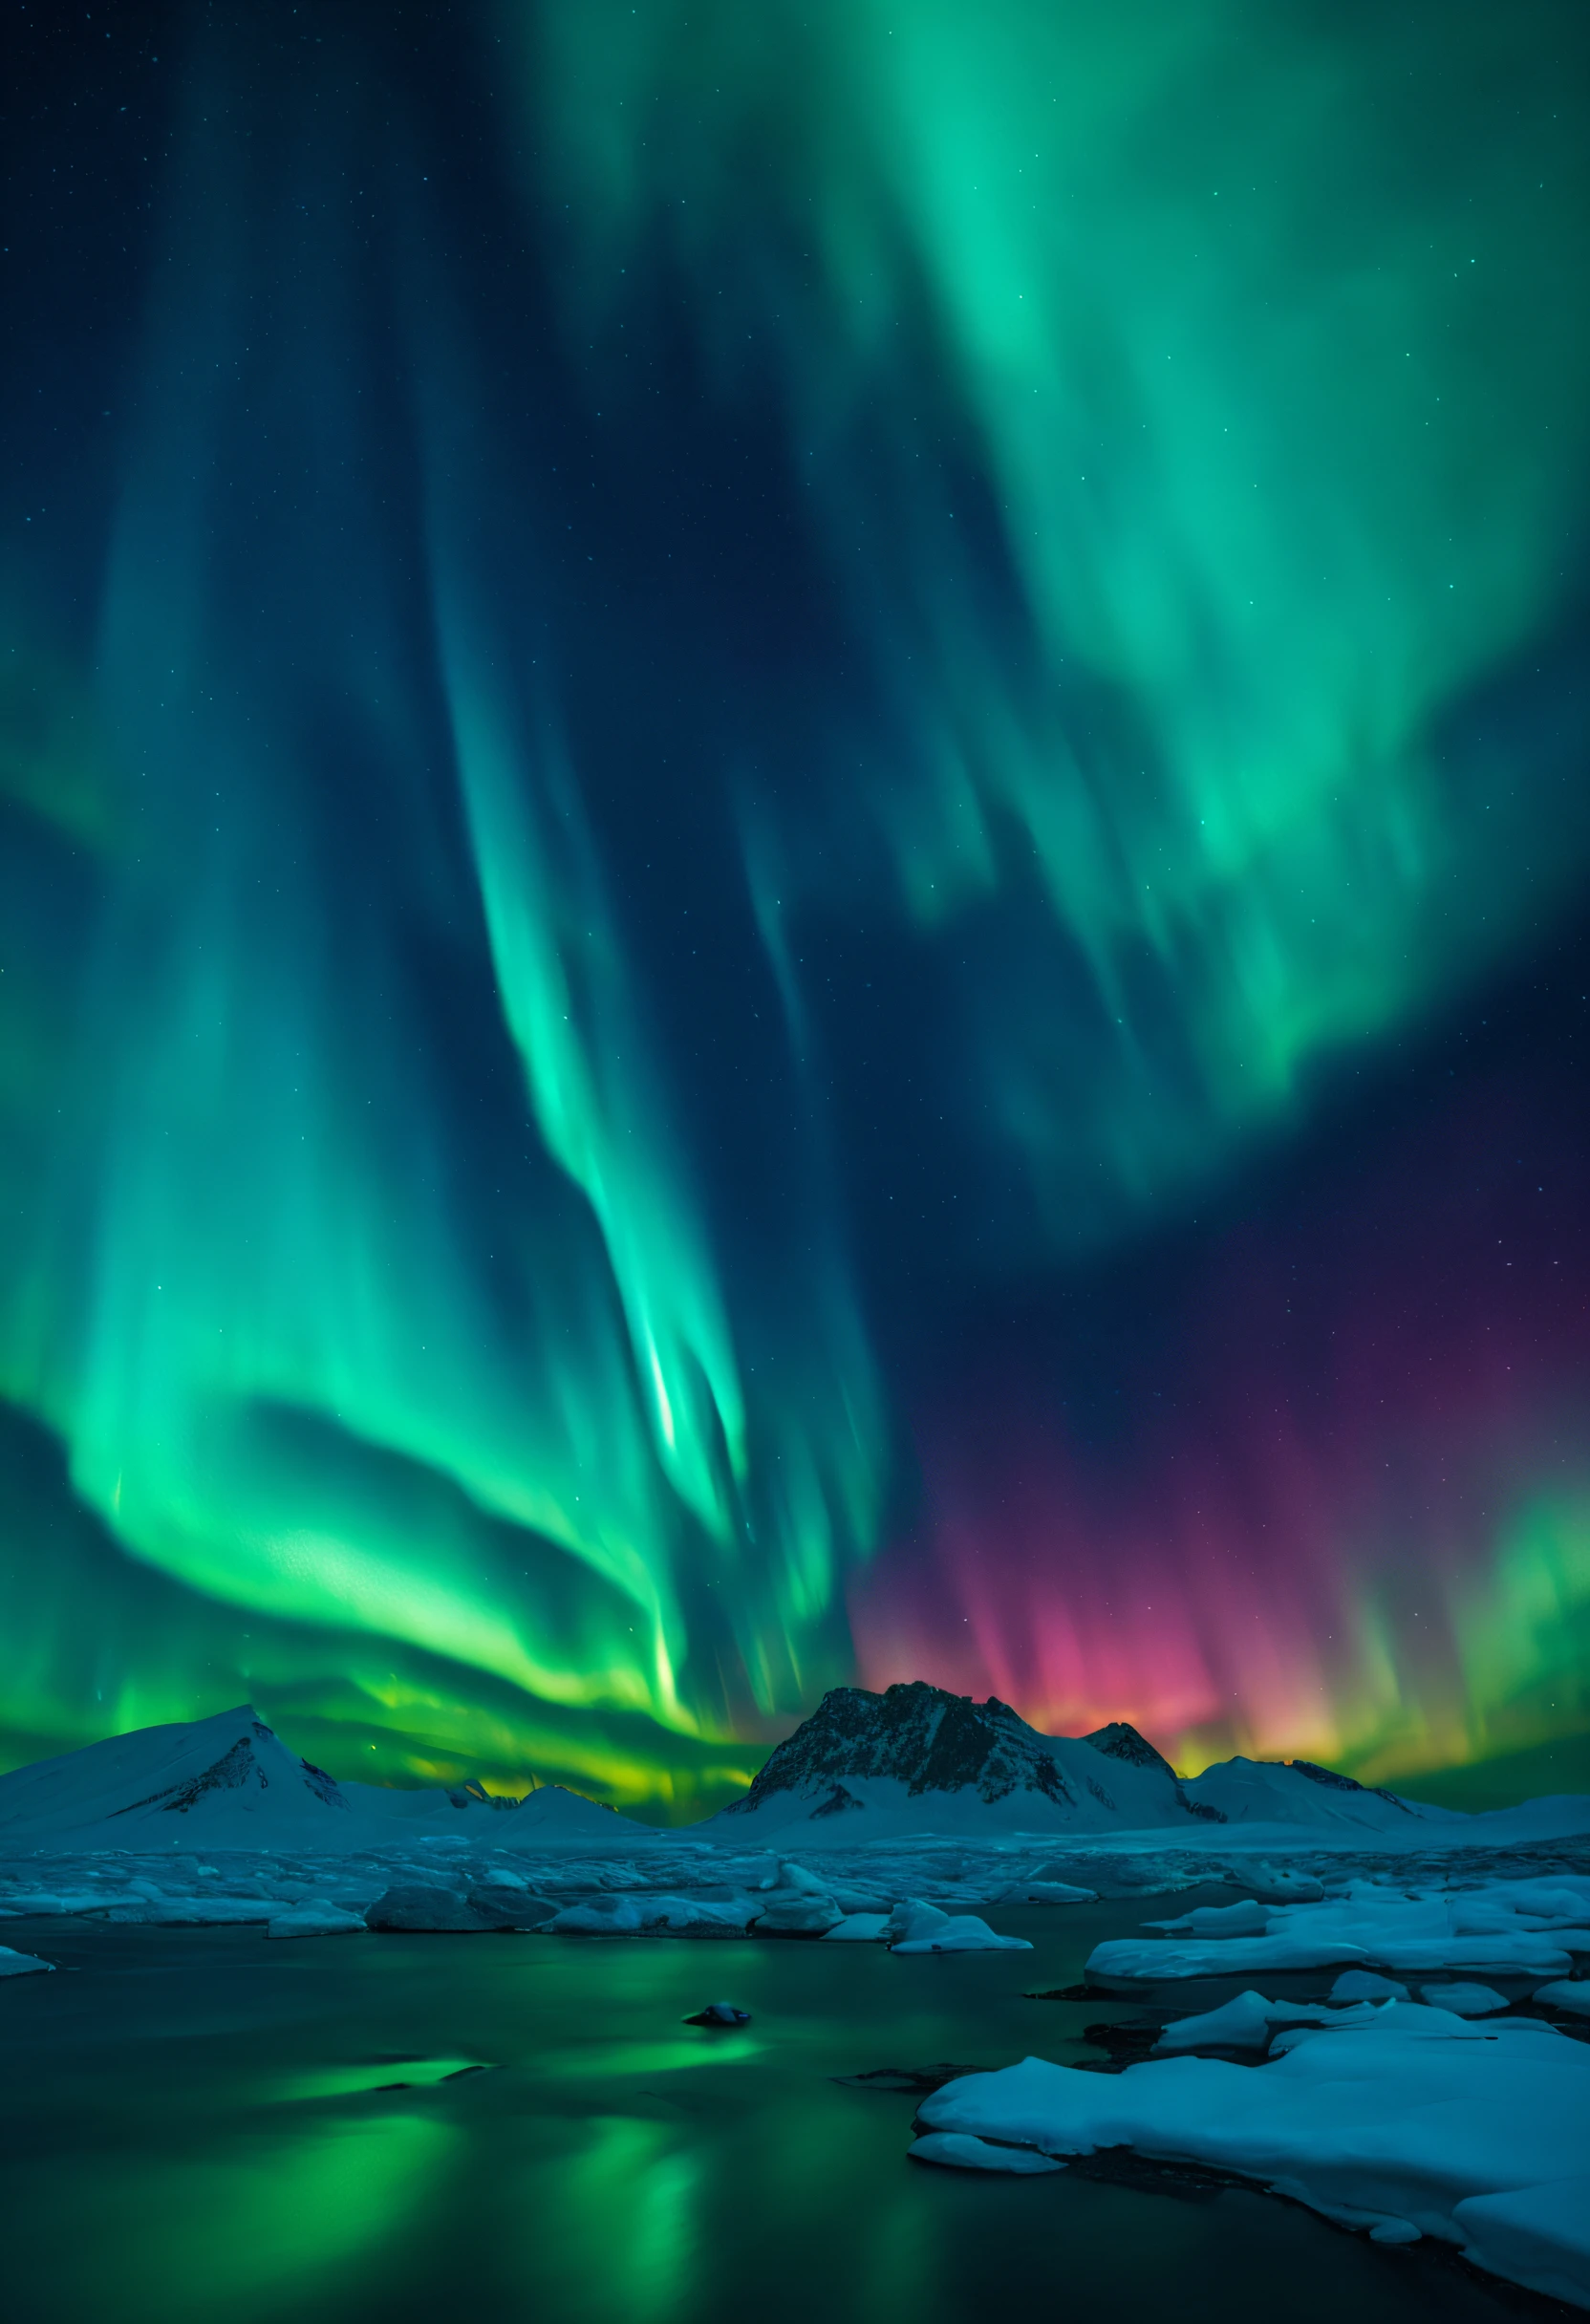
<point x="1044" y="1892"/>
<point x="1366" y="1985"/>
<point x="858" y="1928"/>
<point x="602" y="1916"/>
<point x="961" y="1932"/>
<point x="511" y="1910"/>
<point x="961" y="2153"/>
<point x="1396" y="2231"/>
<point x="911" y="1919"/>
<point x="1305" y="1943"/>
<point x="1413" y="2022"/>
<point x="1571" y="1993"/>
<point x="1538" y="2236"/>
<point x="317" y="1920"/>
<point x="424" y="1911"/>
<point x="796" y="1876"/>
<point x="859" y="1900"/>
<point x="1282" y="1888"/>
<point x="795" y="1912"/>
<point x="692" y="1916"/>
<point x="1246" y="2023"/>
<point x="21" y="1965"/>
<point x="204" y="1911"/>
<point x="1465" y="2000"/>
<point x="1462" y="2136"/>
<point x="661" y="1916"/>
<point x="1249" y="1919"/>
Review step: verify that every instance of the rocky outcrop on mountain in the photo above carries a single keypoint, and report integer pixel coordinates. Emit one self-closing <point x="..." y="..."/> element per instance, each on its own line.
<point x="918" y="1735"/>
<point x="916" y="1755"/>
<point x="1120" y="1740"/>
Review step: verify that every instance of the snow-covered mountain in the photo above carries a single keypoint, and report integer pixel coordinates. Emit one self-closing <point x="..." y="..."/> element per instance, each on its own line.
<point x="917" y="1758"/>
<point x="863" y="1769"/>
<point x="1297" y="1791"/>
<point x="228" y="1783"/>
<point x="866" y="1767"/>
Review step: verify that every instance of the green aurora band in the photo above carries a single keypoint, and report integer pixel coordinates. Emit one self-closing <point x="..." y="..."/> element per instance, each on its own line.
<point x="1179" y="418"/>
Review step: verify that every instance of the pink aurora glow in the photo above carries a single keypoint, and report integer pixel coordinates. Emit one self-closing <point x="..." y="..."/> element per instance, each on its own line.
<point x="1270" y="1559"/>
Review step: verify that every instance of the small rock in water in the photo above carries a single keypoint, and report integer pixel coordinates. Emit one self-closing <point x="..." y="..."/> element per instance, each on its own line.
<point x="720" y="2013"/>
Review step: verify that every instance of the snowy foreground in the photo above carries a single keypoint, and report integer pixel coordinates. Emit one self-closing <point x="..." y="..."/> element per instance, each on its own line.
<point x="1388" y="2021"/>
<point x="1428" y="2084"/>
<point x="1464" y="2115"/>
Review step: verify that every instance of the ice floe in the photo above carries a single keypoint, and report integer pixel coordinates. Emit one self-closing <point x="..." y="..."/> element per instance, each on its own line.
<point x="1566" y="1993"/>
<point x="1395" y="2118"/>
<point x="1465" y="2000"/>
<point x="962" y="2153"/>
<point x="317" y="1921"/>
<point x="20" y="1965"/>
<point x="916" y="1927"/>
<point x="1520" y="1928"/>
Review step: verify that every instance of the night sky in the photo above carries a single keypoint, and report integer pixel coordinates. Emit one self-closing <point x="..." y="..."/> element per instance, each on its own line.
<point x="794" y="815"/>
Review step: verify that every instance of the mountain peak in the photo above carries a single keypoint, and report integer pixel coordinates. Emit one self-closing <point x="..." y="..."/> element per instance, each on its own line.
<point x="917" y="1734"/>
<point x="1120" y="1740"/>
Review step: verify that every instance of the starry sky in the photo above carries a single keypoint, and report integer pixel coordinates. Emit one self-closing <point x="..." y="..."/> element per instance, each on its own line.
<point x="793" y="817"/>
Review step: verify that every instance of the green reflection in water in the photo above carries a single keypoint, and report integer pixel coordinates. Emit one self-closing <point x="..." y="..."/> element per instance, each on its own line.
<point x="588" y="2063"/>
<point x="264" y="2231"/>
<point x="151" y="2174"/>
<point x="386" y="2073"/>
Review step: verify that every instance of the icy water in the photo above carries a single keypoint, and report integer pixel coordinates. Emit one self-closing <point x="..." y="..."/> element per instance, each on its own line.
<point x="197" y="2126"/>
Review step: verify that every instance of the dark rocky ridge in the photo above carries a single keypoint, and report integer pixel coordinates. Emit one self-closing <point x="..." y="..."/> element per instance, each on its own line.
<point x="931" y="1740"/>
<point x="923" y="1736"/>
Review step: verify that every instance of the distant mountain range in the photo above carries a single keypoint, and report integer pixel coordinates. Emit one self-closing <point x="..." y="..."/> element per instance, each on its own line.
<point x="917" y="1757"/>
<point x="229" y="1782"/>
<point x="863" y="1768"/>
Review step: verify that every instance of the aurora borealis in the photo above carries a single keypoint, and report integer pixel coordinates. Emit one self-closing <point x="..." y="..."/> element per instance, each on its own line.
<point x="794" y="811"/>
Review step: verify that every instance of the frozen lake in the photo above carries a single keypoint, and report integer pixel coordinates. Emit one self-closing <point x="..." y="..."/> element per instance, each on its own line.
<point x="195" y="2130"/>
